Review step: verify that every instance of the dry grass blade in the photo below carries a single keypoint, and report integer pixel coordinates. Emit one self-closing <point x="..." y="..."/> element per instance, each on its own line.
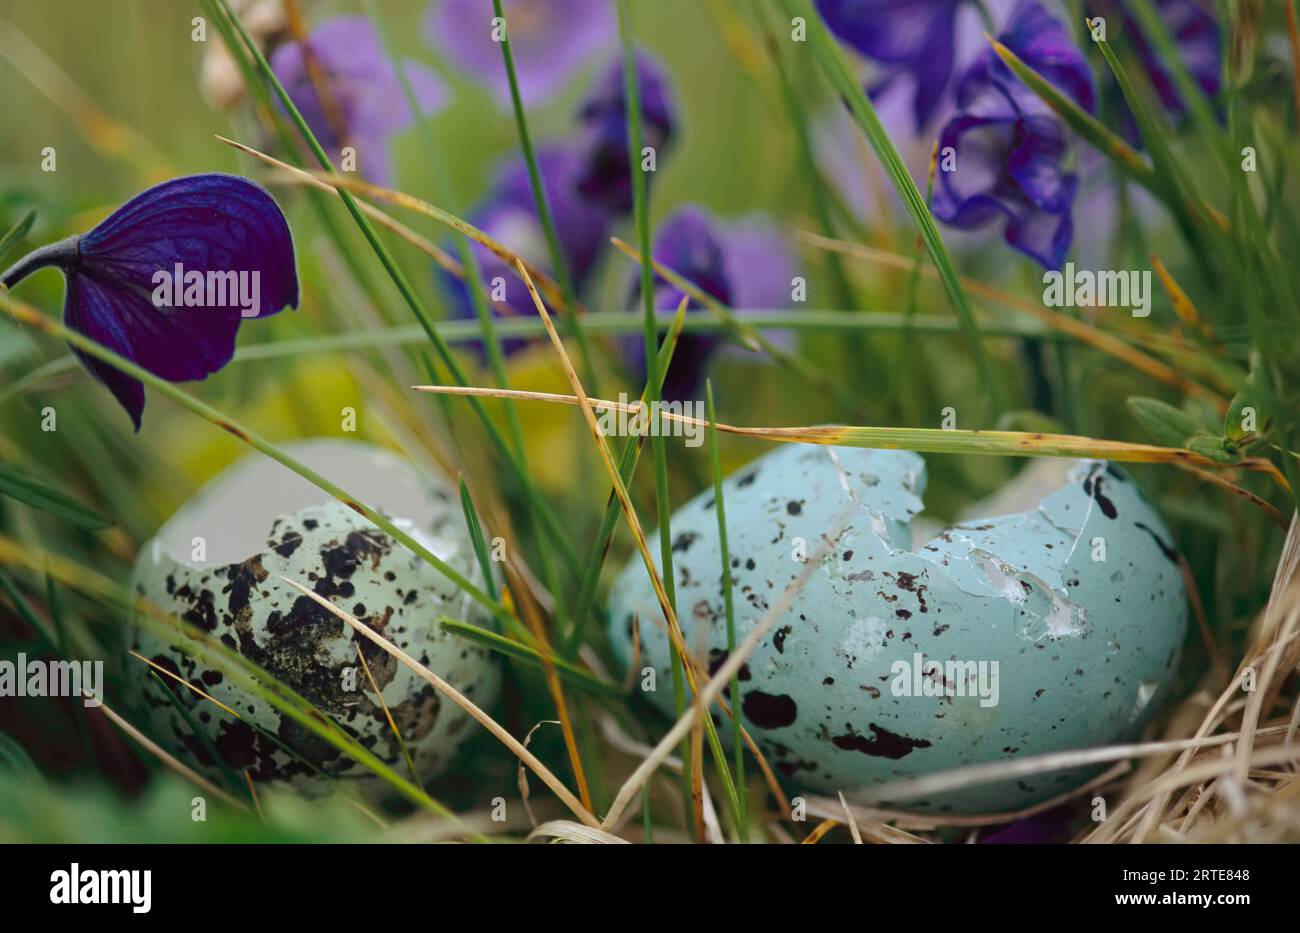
<point x="690" y="664"/>
<point x="853" y="822"/>
<point x="901" y="821"/>
<point x="170" y="760"/>
<point x="716" y="685"/>
<point x="1182" y="304"/>
<point x="543" y="772"/>
<point x="1216" y="479"/>
<point x="1080" y="330"/>
<point x="184" y="683"/>
<point x="444" y="259"/>
<point x="521" y="778"/>
<point x="252" y="792"/>
<point x="820" y="830"/>
<point x="537" y="628"/>
<point x="569" y="831"/>
<point x="392" y="723"/>
<point x="975" y="775"/>
<point x="401" y="199"/>
<point x="924" y="440"/>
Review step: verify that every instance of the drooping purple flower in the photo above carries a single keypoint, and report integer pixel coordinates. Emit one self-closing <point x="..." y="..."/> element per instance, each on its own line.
<point x="1009" y="150"/>
<point x="510" y="216"/>
<point x="910" y="38"/>
<point x="550" y="41"/>
<point x="365" y="103"/>
<point x="744" y="264"/>
<point x="167" y="278"/>
<point x="607" y="176"/>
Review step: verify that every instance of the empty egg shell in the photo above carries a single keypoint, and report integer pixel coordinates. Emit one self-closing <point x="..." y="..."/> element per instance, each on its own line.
<point x="1056" y="627"/>
<point x="217" y="564"/>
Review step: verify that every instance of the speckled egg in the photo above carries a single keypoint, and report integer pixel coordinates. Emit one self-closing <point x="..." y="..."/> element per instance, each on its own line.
<point x="1054" y="627"/>
<point x="217" y="564"/>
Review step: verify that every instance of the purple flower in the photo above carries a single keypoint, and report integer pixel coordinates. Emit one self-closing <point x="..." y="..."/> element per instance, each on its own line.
<point x="1039" y="829"/>
<point x="167" y="278"/>
<point x="549" y="39"/>
<point x="913" y="38"/>
<point x="365" y="102"/>
<point x="746" y="264"/>
<point x="1009" y="151"/>
<point x="760" y="266"/>
<point x="509" y="215"/>
<point x="607" y="177"/>
<point x="1197" y="39"/>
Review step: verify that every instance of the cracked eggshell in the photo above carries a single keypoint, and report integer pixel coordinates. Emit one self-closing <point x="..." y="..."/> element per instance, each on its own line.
<point x="1058" y="627"/>
<point x="257" y="522"/>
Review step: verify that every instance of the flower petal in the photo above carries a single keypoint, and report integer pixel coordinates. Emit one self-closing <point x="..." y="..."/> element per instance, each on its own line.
<point x="1043" y="43"/>
<point x="187" y="343"/>
<point x="206" y="223"/>
<point x="549" y="40"/>
<point x="1036" y="163"/>
<point x="167" y="278"/>
<point x="607" y="176"/>
<point x="1044" y="235"/>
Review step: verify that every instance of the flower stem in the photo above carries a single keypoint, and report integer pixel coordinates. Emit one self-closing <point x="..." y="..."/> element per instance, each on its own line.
<point x="62" y="254"/>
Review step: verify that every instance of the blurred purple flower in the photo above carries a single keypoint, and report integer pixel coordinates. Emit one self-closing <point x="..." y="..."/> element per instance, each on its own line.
<point x="915" y="38"/>
<point x="607" y="177"/>
<point x="1197" y="39"/>
<point x="745" y="264"/>
<point x="367" y="103"/>
<point x="509" y="215"/>
<point x="759" y="263"/>
<point x="1009" y="150"/>
<point x="550" y="41"/>
<point x="1039" y="829"/>
<point x="214" y="225"/>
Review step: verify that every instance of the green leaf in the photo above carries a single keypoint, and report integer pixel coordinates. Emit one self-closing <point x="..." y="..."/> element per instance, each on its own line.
<point x="38" y="495"/>
<point x="1170" y="426"/>
<point x="1214" y="448"/>
<point x="15" y="234"/>
<point x="1252" y="406"/>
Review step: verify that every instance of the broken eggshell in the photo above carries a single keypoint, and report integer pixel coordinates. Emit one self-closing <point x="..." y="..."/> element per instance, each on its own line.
<point x="1056" y="627"/>
<point x="217" y="565"/>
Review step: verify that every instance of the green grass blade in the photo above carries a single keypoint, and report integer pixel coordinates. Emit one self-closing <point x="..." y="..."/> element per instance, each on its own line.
<point x="626" y="467"/>
<point x="40" y="495"/>
<point x="16" y="234"/>
<point x="476" y="536"/>
<point x="728" y="603"/>
<point x="1123" y="156"/>
<point x="33" y="318"/>
<point x="398" y="278"/>
<point x="837" y="71"/>
<point x="558" y="261"/>
<point x="568" y="671"/>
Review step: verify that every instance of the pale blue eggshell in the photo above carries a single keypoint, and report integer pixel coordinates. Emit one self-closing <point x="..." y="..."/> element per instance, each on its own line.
<point x="1075" y="611"/>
